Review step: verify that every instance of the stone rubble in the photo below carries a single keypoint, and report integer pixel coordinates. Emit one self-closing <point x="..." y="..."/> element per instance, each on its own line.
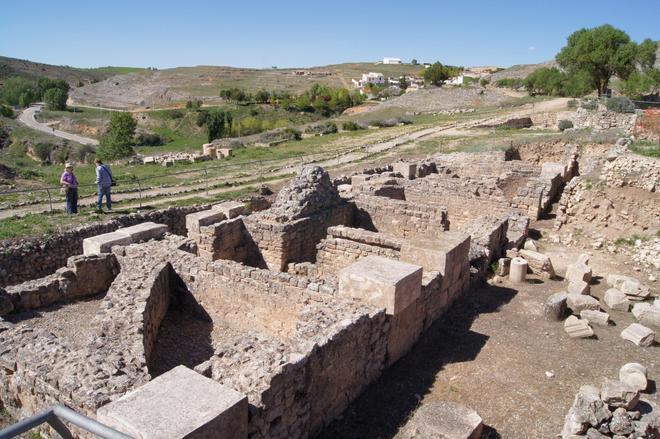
<point x="638" y="334"/>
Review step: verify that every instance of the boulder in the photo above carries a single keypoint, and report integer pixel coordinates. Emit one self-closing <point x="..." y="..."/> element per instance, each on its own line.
<point x="595" y="317"/>
<point x="580" y="302"/>
<point x="555" y="307"/>
<point x="503" y="266"/>
<point x="616" y="300"/>
<point x="443" y="420"/>
<point x="530" y="245"/>
<point x="576" y="328"/>
<point x="630" y="286"/>
<point x="587" y="410"/>
<point x="621" y="423"/>
<point x="616" y="393"/>
<point x="638" y="334"/>
<point x="634" y="374"/>
<point x="6" y="305"/>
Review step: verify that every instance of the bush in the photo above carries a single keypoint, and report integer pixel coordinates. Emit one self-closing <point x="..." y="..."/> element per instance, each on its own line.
<point x="149" y="139"/>
<point x="42" y="151"/>
<point x="322" y="128"/>
<point x="351" y="126"/>
<point x="6" y="111"/>
<point x="564" y="124"/>
<point x="573" y="103"/>
<point x="509" y="83"/>
<point x="175" y="114"/>
<point x="620" y="104"/>
<point x="201" y="118"/>
<point x="82" y="153"/>
<point x="61" y="155"/>
<point x="589" y="105"/>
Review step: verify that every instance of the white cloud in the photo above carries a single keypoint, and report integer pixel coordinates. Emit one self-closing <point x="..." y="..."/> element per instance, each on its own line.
<point x="531" y="48"/>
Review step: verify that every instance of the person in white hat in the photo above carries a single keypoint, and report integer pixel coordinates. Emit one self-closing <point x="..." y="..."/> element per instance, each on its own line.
<point x="69" y="183"/>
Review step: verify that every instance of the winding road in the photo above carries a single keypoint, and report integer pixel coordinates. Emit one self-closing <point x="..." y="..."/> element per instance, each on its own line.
<point x="27" y="118"/>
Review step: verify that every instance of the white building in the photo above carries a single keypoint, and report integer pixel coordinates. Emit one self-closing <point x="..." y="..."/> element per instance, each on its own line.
<point x="456" y="80"/>
<point x="391" y="60"/>
<point x="370" y="78"/>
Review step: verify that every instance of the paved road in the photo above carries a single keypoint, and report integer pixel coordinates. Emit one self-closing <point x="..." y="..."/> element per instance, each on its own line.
<point x="27" y="118"/>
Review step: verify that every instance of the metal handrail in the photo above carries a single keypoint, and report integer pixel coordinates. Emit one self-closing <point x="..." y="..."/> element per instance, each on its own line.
<point x="53" y="416"/>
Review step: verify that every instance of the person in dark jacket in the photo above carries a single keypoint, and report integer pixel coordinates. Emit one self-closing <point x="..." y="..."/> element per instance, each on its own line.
<point x="104" y="181"/>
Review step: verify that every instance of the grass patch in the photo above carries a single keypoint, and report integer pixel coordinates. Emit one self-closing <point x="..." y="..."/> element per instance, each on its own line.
<point x="114" y="70"/>
<point x="646" y="148"/>
<point x="630" y="241"/>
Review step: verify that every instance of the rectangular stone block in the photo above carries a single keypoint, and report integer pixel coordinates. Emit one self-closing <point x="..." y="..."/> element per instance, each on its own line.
<point x="382" y="282"/>
<point x="407" y="170"/>
<point x="179" y="404"/>
<point x="144" y="231"/>
<point x="95" y="245"/>
<point x="231" y="209"/>
<point x="204" y="218"/>
<point x="447" y="254"/>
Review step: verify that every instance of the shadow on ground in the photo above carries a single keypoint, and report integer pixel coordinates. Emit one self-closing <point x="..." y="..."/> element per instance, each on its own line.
<point x="386" y="405"/>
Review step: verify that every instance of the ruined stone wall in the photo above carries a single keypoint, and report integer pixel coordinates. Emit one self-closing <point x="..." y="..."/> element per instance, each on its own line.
<point x="294" y="241"/>
<point x="398" y="218"/>
<point x="83" y="276"/>
<point x="34" y="258"/>
<point x="345" y="245"/>
<point x="229" y="240"/>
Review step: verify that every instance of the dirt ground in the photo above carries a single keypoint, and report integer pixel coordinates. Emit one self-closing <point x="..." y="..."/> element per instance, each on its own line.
<point x="492" y="352"/>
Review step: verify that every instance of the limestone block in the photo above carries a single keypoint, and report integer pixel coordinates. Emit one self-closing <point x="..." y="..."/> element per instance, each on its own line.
<point x="630" y="286"/>
<point x="540" y="264"/>
<point x="204" y="218"/>
<point x="587" y="409"/>
<point x="443" y="419"/>
<point x="647" y="314"/>
<point x="530" y="245"/>
<point x="144" y="231"/>
<point x="578" y="302"/>
<point x="224" y="152"/>
<point x="231" y="209"/>
<point x="576" y="328"/>
<point x="578" y="287"/>
<point x="382" y="282"/>
<point x="446" y="254"/>
<point x="95" y="245"/>
<point x="584" y="259"/>
<point x="595" y="317"/>
<point x="360" y="179"/>
<point x="578" y="272"/>
<point x="638" y="334"/>
<point x="555" y="307"/>
<point x="619" y="394"/>
<point x="518" y="270"/>
<point x="180" y="403"/>
<point x="551" y="170"/>
<point x="634" y="374"/>
<point x="407" y="170"/>
<point x="616" y="300"/>
<point x="209" y="150"/>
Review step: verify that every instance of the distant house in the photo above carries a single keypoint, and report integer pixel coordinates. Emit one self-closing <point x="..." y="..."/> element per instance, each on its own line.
<point x="391" y="60"/>
<point x="369" y="78"/>
<point x="456" y="80"/>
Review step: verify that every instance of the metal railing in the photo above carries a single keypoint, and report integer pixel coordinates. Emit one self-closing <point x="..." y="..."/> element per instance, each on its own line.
<point x="54" y="417"/>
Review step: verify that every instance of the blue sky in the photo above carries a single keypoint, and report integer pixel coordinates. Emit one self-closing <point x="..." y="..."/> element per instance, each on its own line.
<point x="306" y="33"/>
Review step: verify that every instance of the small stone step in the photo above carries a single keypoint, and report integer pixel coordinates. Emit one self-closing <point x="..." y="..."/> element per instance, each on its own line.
<point x="577" y="328"/>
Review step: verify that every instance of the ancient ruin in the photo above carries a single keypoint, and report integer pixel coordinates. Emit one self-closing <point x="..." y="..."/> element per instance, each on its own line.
<point x="285" y="314"/>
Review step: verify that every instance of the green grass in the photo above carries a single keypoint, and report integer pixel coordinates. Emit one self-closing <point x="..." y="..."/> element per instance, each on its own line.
<point x="645" y="148"/>
<point x="114" y="70"/>
<point x="630" y="241"/>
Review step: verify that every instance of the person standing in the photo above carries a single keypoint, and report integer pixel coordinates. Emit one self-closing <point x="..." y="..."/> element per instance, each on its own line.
<point x="104" y="181"/>
<point x="69" y="183"/>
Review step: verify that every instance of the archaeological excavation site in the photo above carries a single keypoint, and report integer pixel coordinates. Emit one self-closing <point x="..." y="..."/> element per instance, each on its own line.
<point x="445" y="297"/>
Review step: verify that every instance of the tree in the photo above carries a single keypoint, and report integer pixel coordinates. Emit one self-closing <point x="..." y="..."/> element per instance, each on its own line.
<point x="117" y="140"/>
<point x="646" y="53"/>
<point x="218" y="124"/>
<point x="55" y="99"/>
<point x="403" y="84"/>
<point x="42" y="151"/>
<point x="414" y="62"/>
<point x="545" y="81"/>
<point x="640" y="84"/>
<point x="18" y="91"/>
<point x="437" y="74"/>
<point x="262" y="96"/>
<point x="601" y="52"/>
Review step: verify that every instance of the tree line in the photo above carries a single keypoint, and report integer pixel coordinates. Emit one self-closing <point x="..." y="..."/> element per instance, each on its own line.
<point x="18" y="91"/>
<point x="317" y="99"/>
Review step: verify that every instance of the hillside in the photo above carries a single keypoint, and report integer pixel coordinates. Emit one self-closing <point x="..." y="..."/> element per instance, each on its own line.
<point x="521" y="70"/>
<point x="19" y="67"/>
<point x="169" y="87"/>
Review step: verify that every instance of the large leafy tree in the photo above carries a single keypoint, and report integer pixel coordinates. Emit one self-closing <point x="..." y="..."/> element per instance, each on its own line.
<point x="601" y="52"/>
<point x="118" y="139"/>
<point x="437" y="74"/>
<point x="55" y="99"/>
<point x="218" y="124"/>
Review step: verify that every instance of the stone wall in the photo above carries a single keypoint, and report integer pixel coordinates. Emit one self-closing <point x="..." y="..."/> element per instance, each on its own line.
<point x="34" y="258"/>
<point x="294" y="241"/>
<point x="83" y="276"/>
<point x="398" y="218"/>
